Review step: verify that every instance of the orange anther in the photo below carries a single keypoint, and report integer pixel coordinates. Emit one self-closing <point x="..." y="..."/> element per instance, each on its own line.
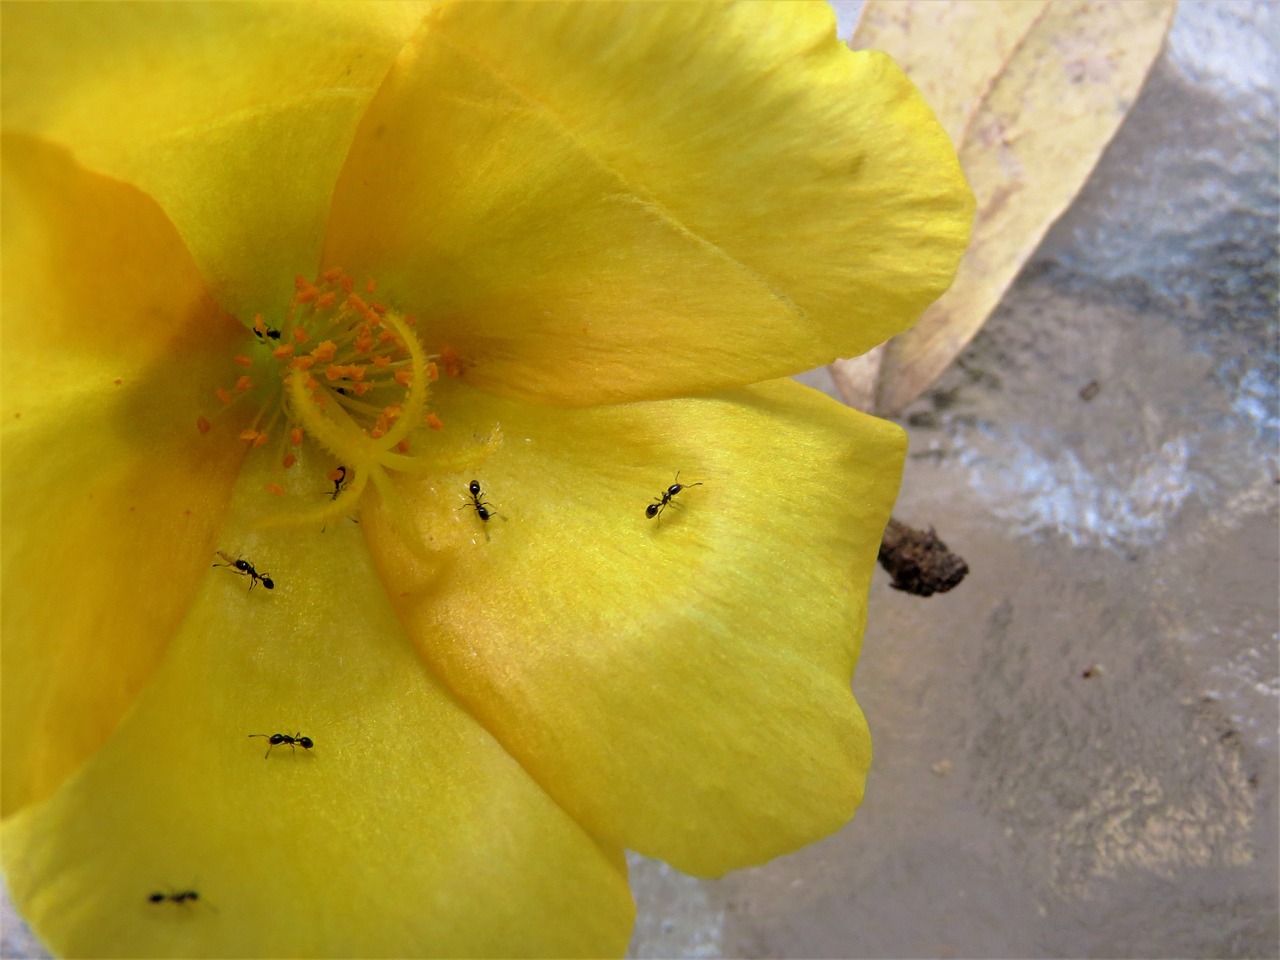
<point x="260" y="439"/>
<point x="202" y="424"/>
<point x="299" y="335"/>
<point x="404" y="377"/>
<point x="283" y="351"/>
<point x="392" y="412"/>
<point x="241" y="359"/>
<point x="403" y="445"/>
<point x="371" y="287"/>
<point x="330" y="275"/>
<point x="410" y="321"/>
<point x="381" y="361"/>
<point x="289" y="460"/>
<point x="295" y="436"/>
<point x="377" y="433"/>
<point x="243" y="384"/>
<point x="307" y="294"/>
<point x="364" y="344"/>
<point x="336" y="475"/>
<point x="450" y="360"/>
<point x="335" y="371"/>
<point x="276" y="489"/>
<point x="223" y="394"/>
<point x="301" y="363"/>
<point x="347" y="283"/>
<point x="249" y="434"/>
<point x="378" y="308"/>
<point x="324" y="351"/>
<point x="259" y="325"/>
<point x="362" y="388"/>
<point x="326" y="299"/>
<point x="433" y="372"/>
<point x="434" y="422"/>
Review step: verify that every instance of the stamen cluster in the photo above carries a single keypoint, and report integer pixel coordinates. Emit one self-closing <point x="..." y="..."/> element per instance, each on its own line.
<point x="343" y="369"/>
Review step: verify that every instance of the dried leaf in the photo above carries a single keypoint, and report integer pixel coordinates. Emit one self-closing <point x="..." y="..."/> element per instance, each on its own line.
<point x="858" y="378"/>
<point x="1038" y="89"/>
<point x="953" y="50"/>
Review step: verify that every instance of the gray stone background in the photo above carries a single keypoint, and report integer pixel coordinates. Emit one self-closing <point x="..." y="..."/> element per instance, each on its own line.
<point x="1017" y="808"/>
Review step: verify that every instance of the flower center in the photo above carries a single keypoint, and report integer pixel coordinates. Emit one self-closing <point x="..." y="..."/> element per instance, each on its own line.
<point x="346" y="372"/>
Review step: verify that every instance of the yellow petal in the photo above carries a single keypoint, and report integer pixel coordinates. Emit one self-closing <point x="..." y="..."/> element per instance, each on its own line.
<point x="596" y="202"/>
<point x="235" y="117"/>
<point x="405" y="831"/>
<point x="112" y="348"/>
<point x="1029" y="147"/>
<point x="680" y="685"/>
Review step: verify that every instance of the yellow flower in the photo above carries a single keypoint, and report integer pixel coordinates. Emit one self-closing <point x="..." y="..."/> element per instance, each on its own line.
<point x="597" y="226"/>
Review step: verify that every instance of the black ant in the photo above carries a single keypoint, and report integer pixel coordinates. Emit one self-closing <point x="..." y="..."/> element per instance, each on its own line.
<point x="481" y="506"/>
<point x="339" y="481"/>
<point x="660" y="502"/>
<point x="246" y="568"/>
<point x="267" y="333"/>
<point x="181" y="896"/>
<point x="275" y="739"/>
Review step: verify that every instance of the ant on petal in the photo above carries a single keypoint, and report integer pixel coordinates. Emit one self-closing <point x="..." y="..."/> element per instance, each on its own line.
<point x="275" y="739"/>
<point x="481" y="506"/>
<point x="182" y="896"/>
<point x="264" y="332"/>
<point x="245" y="568"/>
<point x="339" y="478"/>
<point x="660" y="502"/>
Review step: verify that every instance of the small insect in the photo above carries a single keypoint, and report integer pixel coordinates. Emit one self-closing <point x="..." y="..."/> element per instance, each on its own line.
<point x="660" y="502"/>
<point x="339" y="478"/>
<point x="267" y="333"/>
<point x="482" y="507"/>
<point x="275" y="739"/>
<point x="181" y="896"/>
<point x="246" y="568"/>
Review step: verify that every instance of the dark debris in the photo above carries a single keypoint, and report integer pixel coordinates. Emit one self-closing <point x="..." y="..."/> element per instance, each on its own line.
<point x="918" y="561"/>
